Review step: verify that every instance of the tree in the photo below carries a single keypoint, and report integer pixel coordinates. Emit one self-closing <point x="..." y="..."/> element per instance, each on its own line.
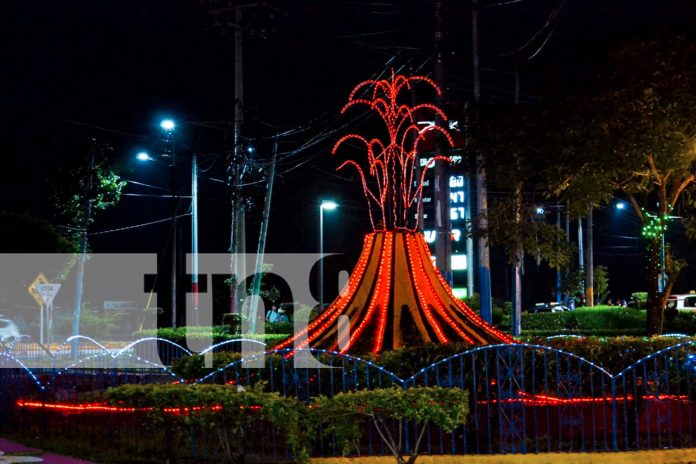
<point x="22" y="233"/>
<point x="72" y="195"/>
<point x="601" y="282"/>
<point x="89" y="189"/>
<point x="635" y="133"/>
<point x="229" y="416"/>
<point x="345" y="412"/>
<point x="509" y="139"/>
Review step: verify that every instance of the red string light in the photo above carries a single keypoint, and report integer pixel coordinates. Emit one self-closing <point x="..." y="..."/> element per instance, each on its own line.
<point x="385" y="292"/>
<point x="424" y="302"/>
<point x="522" y="397"/>
<point x="332" y="313"/>
<point x="391" y="163"/>
<point x="383" y="285"/>
<point x="106" y="408"/>
<point x="468" y="312"/>
<point x="391" y="192"/>
<point x="549" y="400"/>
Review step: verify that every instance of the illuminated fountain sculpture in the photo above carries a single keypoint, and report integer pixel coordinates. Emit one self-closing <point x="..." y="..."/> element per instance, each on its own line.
<point x="395" y="296"/>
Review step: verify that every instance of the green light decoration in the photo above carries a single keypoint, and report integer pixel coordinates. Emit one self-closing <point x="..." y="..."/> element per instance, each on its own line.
<point x="656" y="226"/>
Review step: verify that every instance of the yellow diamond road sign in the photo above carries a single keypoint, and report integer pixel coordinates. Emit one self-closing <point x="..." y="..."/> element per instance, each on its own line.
<point x="40" y="279"/>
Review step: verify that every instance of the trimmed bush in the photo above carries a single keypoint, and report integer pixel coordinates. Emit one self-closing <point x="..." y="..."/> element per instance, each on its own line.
<point x="640" y="299"/>
<point x="193" y="367"/>
<point x="586" y="321"/>
<point x="232" y="324"/>
<point x="230" y="416"/>
<point x="219" y="334"/>
<point x="346" y="415"/>
<point x="599" y="321"/>
<point x="613" y="353"/>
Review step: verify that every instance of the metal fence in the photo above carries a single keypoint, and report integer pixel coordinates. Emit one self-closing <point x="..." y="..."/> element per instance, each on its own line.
<point x="523" y="398"/>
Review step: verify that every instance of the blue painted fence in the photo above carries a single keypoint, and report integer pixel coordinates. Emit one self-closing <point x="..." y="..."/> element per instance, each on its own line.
<point x="524" y="398"/>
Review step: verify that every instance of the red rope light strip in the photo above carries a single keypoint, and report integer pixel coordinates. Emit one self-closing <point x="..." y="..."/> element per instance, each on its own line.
<point x="523" y="397"/>
<point x="104" y="407"/>
<point x="341" y="302"/>
<point x="385" y="293"/>
<point x="464" y="308"/>
<point x="439" y="304"/>
<point x="441" y="307"/>
<point x="391" y="165"/>
<point x="412" y="251"/>
<point x="549" y="400"/>
<point x="377" y="297"/>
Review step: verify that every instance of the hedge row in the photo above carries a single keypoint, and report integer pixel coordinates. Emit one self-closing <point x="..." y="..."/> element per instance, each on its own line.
<point x="203" y="334"/>
<point x="613" y="353"/>
<point x="607" y="321"/>
<point x="231" y="418"/>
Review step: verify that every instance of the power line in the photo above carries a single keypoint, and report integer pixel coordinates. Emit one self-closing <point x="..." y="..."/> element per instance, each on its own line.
<point x="136" y="226"/>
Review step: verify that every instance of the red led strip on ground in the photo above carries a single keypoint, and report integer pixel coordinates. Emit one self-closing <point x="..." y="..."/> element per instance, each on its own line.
<point x="103" y="407"/>
<point x="549" y="400"/>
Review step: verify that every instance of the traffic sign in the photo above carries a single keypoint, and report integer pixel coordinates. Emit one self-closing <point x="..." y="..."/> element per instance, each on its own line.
<point x="47" y="292"/>
<point x="40" y="279"/>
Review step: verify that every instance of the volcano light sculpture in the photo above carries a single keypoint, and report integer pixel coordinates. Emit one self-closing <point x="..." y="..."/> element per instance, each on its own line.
<point x="395" y="296"/>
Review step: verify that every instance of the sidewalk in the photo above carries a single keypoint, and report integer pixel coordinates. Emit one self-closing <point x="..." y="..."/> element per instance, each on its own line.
<point x="678" y="456"/>
<point x="11" y="452"/>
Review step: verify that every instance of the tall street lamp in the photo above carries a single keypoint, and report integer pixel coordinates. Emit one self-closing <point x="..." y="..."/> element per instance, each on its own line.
<point x="144" y="157"/>
<point x="168" y="126"/>
<point x="330" y="206"/>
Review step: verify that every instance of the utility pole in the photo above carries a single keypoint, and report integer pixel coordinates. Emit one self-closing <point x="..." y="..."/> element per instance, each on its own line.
<point x="171" y="155"/>
<point x="237" y="227"/>
<point x="194" y="238"/>
<point x="567" y="234"/>
<point x="443" y="245"/>
<point x="82" y="256"/>
<point x="261" y="249"/>
<point x="517" y="267"/>
<point x="589" y="262"/>
<point x="484" y="257"/>
<point x="558" y="271"/>
<point x="581" y="254"/>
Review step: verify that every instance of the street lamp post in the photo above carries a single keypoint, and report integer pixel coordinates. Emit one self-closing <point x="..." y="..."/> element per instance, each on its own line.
<point x="325" y="205"/>
<point x="145" y="157"/>
<point x="167" y="126"/>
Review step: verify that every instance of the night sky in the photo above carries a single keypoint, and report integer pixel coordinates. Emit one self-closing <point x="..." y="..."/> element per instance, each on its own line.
<point x="111" y="69"/>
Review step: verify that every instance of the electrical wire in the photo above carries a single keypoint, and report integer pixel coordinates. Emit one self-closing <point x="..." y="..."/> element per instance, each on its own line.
<point x="134" y="182"/>
<point x="136" y="226"/>
<point x="549" y="25"/>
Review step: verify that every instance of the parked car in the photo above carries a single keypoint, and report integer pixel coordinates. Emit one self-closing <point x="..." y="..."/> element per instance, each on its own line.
<point x="681" y="302"/>
<point x="8" y="330"/>
<point x="548" y="308"/>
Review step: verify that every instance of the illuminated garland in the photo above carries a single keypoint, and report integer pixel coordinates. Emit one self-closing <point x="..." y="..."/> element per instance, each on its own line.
<point x="522" y="397"/>
<point x="391" y="163"/>
<point x="370" y="302"/>
<point x="394" y="275"/>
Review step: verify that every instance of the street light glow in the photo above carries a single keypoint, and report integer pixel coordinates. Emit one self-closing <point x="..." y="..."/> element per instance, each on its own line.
<point x="540" y="210"/>
<point x="167" y="124"/>
<point x="143" y="156"/>
<point x="329" y="205"/>
<point x="621" y="205"/>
